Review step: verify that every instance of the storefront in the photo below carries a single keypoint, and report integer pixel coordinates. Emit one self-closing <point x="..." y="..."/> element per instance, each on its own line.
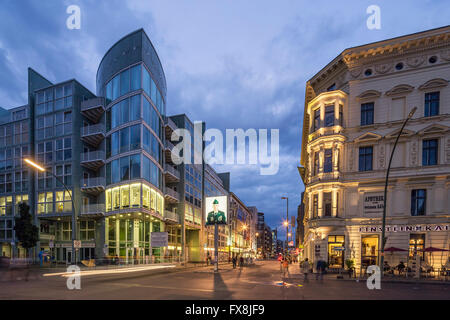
<point x="336" y="251"/>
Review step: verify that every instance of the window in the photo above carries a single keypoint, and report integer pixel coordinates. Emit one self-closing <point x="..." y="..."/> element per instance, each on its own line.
<point x="64" y="173"/>
<point x="124" y="82"/>
<point x="335" y="257"/>
<point x="365" y="158"/>
<point x="341" y="115"/>
<point x="327" y="204"/>
<point x="6" y="206"/>
<point x="124" y="139"/>
<point x="416" y="246"/>
<point x="135" y="166"/>
<point x="6" y="229"/>
<point x="329" y="116"/>
<point x="431" y="104"/>
<point x="45" y="202"/>
<point x="135" y="137"/>
<point x="316" y="163"/>
<point x="66" y="231"/>
<point x="315" y="206"/>
<point x="125" y="196"/>
<point x="369" y="250"/>
<point x="418" y="202"/>
<point x="135" y="195"/>
<point x="135" y="108"/>
<point x="87" y="230"/>
<point x="429" y="152"/>
<point x="124" y="168"/>
<point x="20" y="198"/>
<point x="332" y="87"/>
<point x="367" y="113"/>
<point x="316" y="119"/>
<point x="136" y="77"/>
<point x="63" y="202"/>
<point x="328" y="161"/>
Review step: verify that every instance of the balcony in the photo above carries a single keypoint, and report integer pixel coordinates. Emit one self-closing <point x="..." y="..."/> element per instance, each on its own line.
<point x="171" y="216"/>
<point x="171" y="174"/>
<point x="326" y="177"/>
<point x="93" y="134"/>
<point x="93" y="209"/>
<point x="93" y="185"/>
<point x="93" y="160"/>
<point x="93" y="109"/>
<point x="325" y="131"/>
<point x="171" y="195"/>
<point x="170" y="127"/>
<point x="168" y="151"/>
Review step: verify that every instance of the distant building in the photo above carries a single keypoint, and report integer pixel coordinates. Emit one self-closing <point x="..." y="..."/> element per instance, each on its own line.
<point x="274" y="241"/>
<point x="300" y="230"/>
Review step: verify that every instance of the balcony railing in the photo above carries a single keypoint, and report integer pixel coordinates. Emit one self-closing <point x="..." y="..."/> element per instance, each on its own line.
<point x="93" y="156"/>
<point x="93" y="209"/>
<point x="173" y="216"/>
<point x="172" y="194"/>
<point x="325" y="131"/>
<point x="98" y="182"/>
<point x="98" y="128"/>
<point x="172" y="171"/>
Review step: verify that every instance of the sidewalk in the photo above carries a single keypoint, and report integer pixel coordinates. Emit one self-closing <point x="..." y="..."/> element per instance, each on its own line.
<point x="385" y="279"/>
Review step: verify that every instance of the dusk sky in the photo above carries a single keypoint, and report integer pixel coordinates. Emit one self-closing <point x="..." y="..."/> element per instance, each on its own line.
<point x="233" y="64"/>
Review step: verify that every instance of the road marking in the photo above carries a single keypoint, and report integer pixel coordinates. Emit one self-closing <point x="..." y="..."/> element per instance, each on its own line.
<point x="112" y="271"/>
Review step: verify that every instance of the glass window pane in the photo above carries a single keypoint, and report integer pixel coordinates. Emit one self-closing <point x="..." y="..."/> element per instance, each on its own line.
<point x="135" y="134"/>
<point x="124" y="139"/>
<point x="146" y="81"/>
<point x="125" y="82"/>
<point x="136" y="78"/>
<point x="124" y="168"/>
<point x="135" y="107"/>
<point x="135" y="166"/>
<point x="115" y="87"/>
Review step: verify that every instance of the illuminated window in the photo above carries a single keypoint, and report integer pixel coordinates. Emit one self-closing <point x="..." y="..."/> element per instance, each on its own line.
<point x="124" y="196"/>
<point x="116" y="198"/>
<point x="145" y="196"/>
<point x="153" y="200"/>
<point x="108" y="200"/>
<point x="416" y="245"/>
<point x="6" y="206"/>
<point x="45" y="202"/>
<point x="135" y="195"/>
<point x="63" y="202"/>
<point x="369" y="250"/>
<point x="19" y="199"/>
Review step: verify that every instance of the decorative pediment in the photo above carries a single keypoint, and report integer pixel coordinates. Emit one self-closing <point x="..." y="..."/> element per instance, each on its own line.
<point x="433" y="128"/>
<point x="394" y="134"/>
<point x="400" y="90"/>
<point x="368" y="136"/>
<point x="369" y="94"/>
<point x="434" y="83"/>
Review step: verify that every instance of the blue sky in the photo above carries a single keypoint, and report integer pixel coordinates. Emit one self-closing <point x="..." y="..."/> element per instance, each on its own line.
<point x="233" y="64"/>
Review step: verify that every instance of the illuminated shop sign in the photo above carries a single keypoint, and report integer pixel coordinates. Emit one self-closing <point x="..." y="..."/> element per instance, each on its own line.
<point x="407" y="228"/>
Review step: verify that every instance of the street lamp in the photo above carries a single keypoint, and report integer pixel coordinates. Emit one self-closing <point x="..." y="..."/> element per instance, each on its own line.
<point x="286" y="223"/>
<point x="74" y="227"/>
<point x="383" y="240"/>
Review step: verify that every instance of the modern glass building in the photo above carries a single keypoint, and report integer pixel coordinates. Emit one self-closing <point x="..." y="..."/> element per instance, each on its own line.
<point x="109" y="179"/>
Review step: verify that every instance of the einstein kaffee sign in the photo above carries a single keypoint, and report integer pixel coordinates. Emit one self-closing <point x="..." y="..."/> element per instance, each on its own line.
<point x="407" y="228"/>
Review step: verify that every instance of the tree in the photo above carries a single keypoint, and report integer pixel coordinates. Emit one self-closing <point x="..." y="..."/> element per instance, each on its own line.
<point x="26" y="232"/>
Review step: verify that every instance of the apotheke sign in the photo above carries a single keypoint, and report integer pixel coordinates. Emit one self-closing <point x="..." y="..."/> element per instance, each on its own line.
<point x="373" y="203"/>
<point x="407" y="228"/>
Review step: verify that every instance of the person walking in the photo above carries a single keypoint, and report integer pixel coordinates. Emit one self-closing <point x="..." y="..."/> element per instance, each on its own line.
<point x="234" y="260"/>
<point x="320" y="269"/>
<point x="305" y="268"/>
<point x="241" y="262"/>
<point x="286" y="268"/>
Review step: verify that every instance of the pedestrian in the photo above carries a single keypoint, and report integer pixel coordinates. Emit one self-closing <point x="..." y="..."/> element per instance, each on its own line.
<point x="234" y="260"/>
<point x="320" y="269"/>
<point x="305" y="268"/>
<point x="241" y="261"/>
<point x="286" y="268"/>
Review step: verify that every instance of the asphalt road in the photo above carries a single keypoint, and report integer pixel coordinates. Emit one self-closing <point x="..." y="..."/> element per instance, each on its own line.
<point x="259" y="282"/>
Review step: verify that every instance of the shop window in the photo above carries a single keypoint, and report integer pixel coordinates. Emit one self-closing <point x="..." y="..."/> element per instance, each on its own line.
<point x="108" y="200"/>
<point x="135" y="195"/>
<point x="145" y="196"/>
<point x="335" y="255"/>
<point x="124" y="197"/>
<point x="369" y="250"/>
<point x="416" y="245"/>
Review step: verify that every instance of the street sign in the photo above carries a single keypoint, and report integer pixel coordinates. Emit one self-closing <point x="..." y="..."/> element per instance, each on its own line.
<point x="77" y="244"/>
<point x="159" y="239"/>
<point x="338" y="248"/>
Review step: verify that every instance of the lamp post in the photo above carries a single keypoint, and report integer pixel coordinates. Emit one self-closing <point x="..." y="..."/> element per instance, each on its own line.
<point x="383" y="227"/>
<point x="287" y="223"/>
<point x="74" y="226"/>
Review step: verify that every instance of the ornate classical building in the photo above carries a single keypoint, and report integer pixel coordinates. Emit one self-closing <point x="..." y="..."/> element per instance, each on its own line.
<point x="354" y="109"/>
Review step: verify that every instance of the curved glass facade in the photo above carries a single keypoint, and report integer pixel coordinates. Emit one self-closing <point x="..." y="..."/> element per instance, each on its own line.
<point x="131" y="79"/>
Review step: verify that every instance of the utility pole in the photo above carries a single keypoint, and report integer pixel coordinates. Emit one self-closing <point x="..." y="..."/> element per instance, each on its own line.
<point x="383" y="227"/>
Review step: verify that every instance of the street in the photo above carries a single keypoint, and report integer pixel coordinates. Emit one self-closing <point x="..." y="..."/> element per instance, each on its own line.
<point x="259" y="282"/>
